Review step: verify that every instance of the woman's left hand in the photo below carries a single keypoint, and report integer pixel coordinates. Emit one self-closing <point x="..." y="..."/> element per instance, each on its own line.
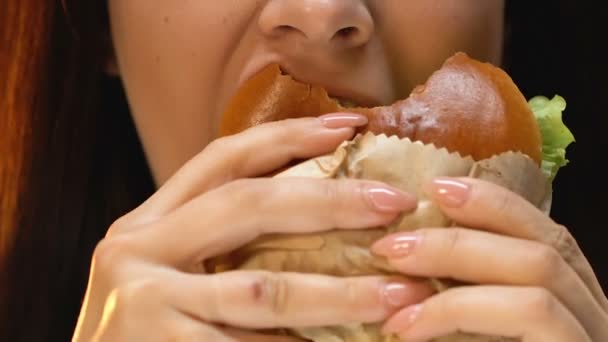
<point x="530" y="279"/>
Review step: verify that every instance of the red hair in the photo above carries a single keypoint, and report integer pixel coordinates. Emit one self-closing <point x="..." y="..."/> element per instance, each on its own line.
<point x="21" y="59"/>
<point x="70" y="161"/>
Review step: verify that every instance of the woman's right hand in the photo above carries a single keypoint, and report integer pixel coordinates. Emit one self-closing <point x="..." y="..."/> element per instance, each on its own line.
<point x="146" y="284"/>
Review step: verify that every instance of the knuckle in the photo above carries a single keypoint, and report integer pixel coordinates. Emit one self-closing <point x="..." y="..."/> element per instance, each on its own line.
<point x="361" y="192"/>
<point x="272" y="291"/>
<point x="565" y="242"/>
<point x="447" y="306"/>
<point x="136" y="294"/>
<point x="250" y="189"/>
<point x="219" y="145"/>
<point x="426" y="234"/>
<point x="353" y="292"/>
<point x="331" y="193"/>
<point x="504" y="202"/>
<point x="285" y="128"/>
<point x="546" y="264"/>
<point x="453" y="240"/>
<point x="329" y="190"/>
<point x="111" y="253"/>
<point x="118" y="226"/>
<point x="281" y="131"/>
<point x="540" y="304"/>
<point x="246" y="191"/>
<point x="227" y="149"/>
<point x="338" y="192"/>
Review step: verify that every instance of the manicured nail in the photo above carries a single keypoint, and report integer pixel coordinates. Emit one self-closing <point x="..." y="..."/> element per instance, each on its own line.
<point x="402" y="321"/>
<point x="343" y="120"/>
<point x="390" y="200"/>
<point x="397" y="294"/>
<point x="450" y="192"/>
<point x="396" y="246"/>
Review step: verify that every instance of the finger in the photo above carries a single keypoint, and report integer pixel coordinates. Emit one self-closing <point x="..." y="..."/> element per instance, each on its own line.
<point x="253" y="152"/>
<point x="247" y="336"/>
<point x="531" y="314"/>
<point x="486" y="206"/>
<point x="132" y="310"/>
<point x="186" y="330"/>
<point x="261" y="300"/>
<point x="228" y="217"/>
<point x="483" y="205"/>
<point x="486" y="258"/>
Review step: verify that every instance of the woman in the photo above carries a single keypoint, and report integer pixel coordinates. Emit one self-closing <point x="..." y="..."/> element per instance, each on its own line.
<point x="75" y="172"/>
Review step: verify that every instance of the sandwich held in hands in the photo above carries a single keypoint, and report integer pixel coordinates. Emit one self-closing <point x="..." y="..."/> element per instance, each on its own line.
<point x="469" y="119"/>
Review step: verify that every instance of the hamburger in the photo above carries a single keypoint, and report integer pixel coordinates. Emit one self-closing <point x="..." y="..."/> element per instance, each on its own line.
<point x="468" y="119"/>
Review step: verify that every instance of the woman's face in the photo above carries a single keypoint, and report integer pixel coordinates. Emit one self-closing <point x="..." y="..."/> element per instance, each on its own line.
<point x="181" y="61"/>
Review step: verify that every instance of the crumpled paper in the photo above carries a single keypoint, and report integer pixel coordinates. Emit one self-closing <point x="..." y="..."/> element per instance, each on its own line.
<point x="405" y="165"/>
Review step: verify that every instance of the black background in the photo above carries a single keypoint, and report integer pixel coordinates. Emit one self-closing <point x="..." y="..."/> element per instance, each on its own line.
<point x="558" y="47"/>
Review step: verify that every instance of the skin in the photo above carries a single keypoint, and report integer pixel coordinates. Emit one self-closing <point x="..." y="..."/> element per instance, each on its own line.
<point x="181" y="61"/>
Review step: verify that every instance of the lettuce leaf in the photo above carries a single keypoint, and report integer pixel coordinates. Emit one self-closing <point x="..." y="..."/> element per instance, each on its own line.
<point x="555" y="135"/>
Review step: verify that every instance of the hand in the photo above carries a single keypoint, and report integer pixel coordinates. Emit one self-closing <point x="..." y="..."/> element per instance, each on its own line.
<point x="145" y="282"/>
<point x="532" y="280"/>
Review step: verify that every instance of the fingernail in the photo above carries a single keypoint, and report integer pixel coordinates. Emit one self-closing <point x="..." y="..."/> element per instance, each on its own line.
<point x="343" y="120"/>
<point x="399" y="294"/>
<point x="402" y="321"/>
<point x="450" y="192"/>
<point x="390" y="200"/>
<point x="396" y="246"/>
<point x="396" y="294"/>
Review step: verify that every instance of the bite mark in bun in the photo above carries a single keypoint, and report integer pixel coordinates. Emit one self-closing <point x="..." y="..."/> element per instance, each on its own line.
<point x="466" y="106"/>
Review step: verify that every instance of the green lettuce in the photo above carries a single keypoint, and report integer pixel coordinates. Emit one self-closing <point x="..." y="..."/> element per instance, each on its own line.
<point x="555" y="135"/>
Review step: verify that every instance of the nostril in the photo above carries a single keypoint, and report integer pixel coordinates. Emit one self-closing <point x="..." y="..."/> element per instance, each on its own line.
<point x="284" y="28"/>
<point x="346" y="33"/>
<point x="281" y="30"/>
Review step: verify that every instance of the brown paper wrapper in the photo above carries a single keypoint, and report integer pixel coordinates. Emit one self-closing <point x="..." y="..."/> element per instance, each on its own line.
<point x="403" y="164"/>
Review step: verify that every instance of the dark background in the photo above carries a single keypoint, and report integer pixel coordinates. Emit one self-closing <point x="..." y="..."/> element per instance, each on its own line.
<point x="558" y="47"/>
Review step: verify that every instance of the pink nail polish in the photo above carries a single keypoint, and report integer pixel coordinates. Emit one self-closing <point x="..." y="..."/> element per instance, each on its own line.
<point x="343" y="120"/>
<point x="402" y="321"/>
<point x="396" y="246"/>
<point x="389" y="200"/>
<point x="397" y="295"/>
<point x="450" y="192"/>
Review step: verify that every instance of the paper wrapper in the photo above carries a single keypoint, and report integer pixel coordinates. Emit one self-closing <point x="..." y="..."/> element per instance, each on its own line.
<point x="403" y="164"/>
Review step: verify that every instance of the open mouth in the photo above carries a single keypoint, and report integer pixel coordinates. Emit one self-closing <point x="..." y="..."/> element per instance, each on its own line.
<point x="343" y="102"/>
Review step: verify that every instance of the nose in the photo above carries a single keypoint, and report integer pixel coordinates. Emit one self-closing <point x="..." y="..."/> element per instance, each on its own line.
<point x="337" y="23"/>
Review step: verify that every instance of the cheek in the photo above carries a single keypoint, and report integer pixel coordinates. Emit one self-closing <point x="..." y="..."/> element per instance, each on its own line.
<point x="420" y="35"/>
<point x="173" y="48"/>
<point x="171" y="56"/>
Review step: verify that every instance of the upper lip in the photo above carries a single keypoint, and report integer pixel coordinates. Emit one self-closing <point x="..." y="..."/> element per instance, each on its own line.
<point x="351" y="95"/>
<point x="336" y="90"/>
